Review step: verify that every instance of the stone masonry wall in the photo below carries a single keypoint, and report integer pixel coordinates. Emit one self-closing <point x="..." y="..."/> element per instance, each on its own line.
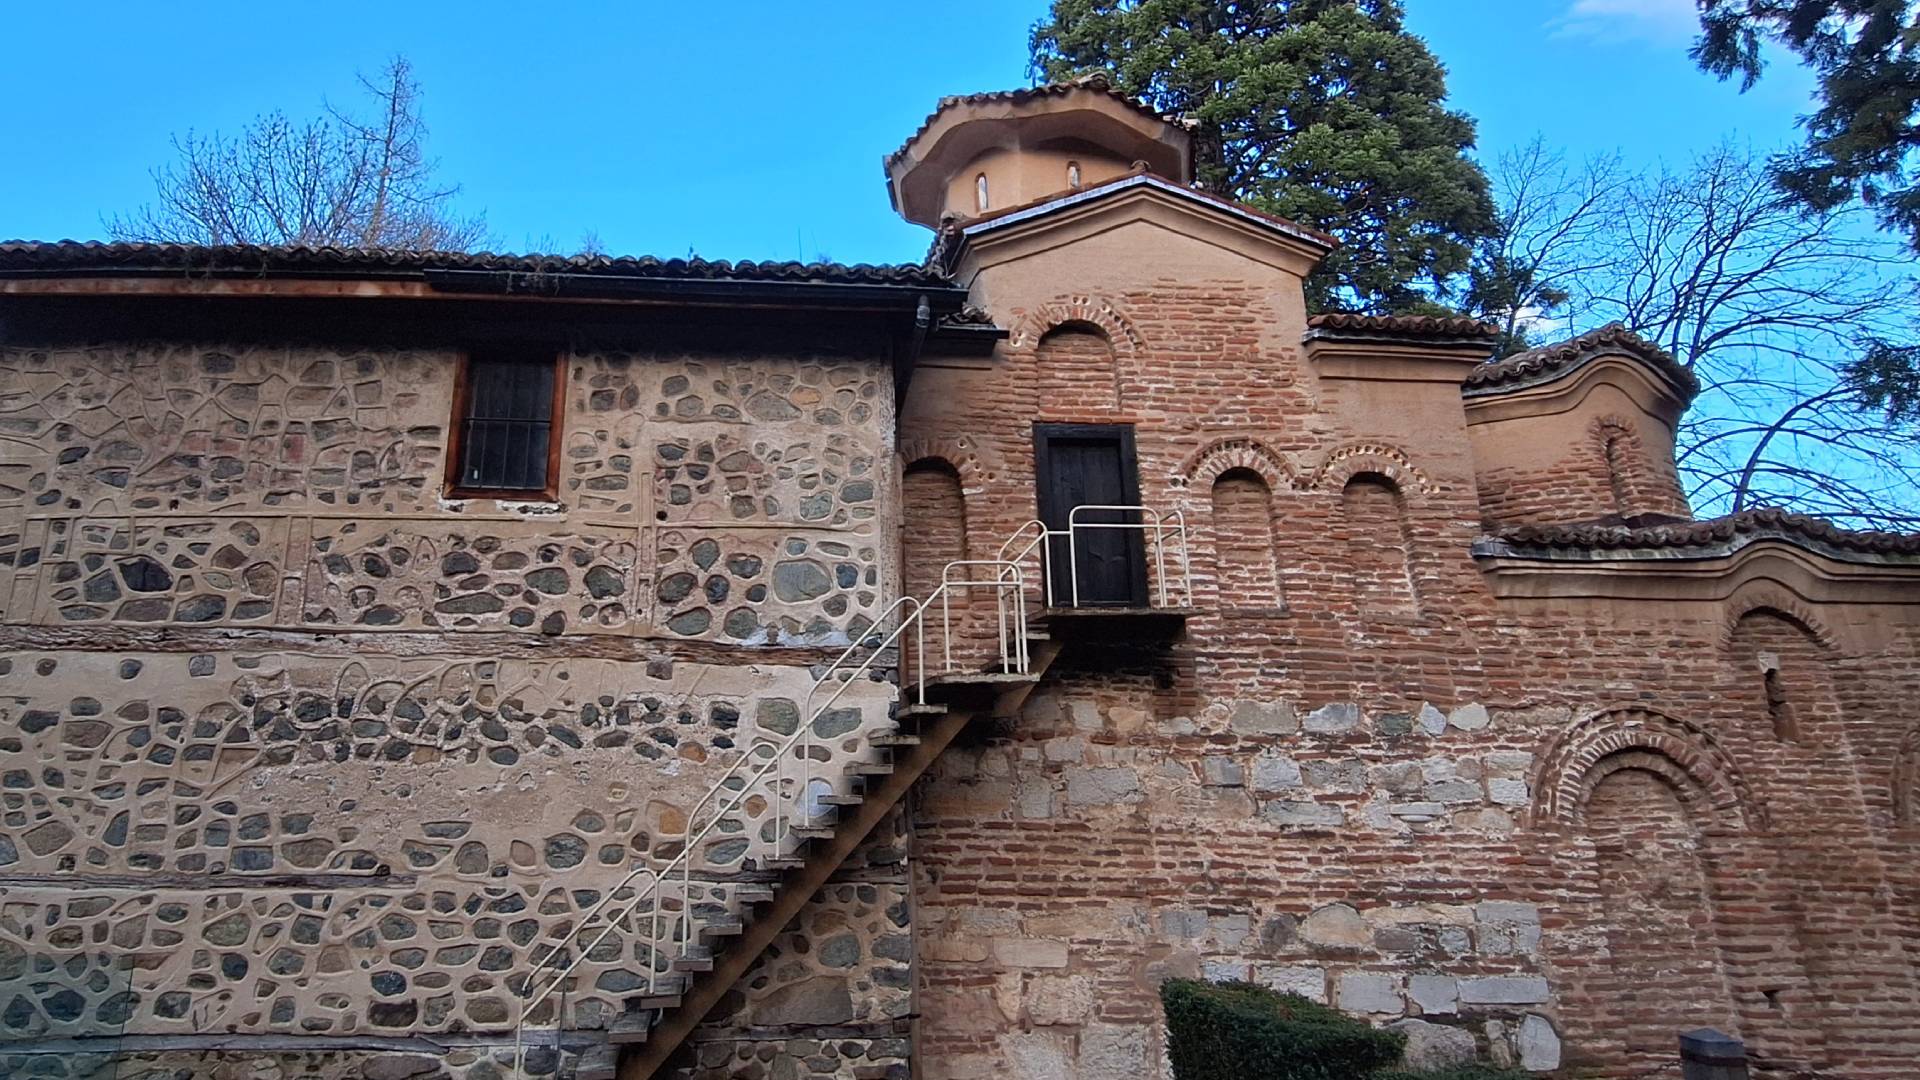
<point x="291" y="745"/>
<point x="1498" y="825"/>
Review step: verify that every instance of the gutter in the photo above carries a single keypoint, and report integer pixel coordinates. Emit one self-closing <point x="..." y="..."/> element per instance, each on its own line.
<point x="718" y="291"/>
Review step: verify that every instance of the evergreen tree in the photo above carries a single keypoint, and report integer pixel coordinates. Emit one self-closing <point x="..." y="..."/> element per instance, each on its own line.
<point x="1863" y="136"/>
<point x="1861" y="143"/>
<point x="1326" y="112"/>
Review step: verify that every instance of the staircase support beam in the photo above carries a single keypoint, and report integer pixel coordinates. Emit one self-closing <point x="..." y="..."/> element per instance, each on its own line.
<point x="823" y="858"/>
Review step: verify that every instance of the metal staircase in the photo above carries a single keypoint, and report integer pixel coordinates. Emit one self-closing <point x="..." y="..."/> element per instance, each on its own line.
<point x="697" y="933"/>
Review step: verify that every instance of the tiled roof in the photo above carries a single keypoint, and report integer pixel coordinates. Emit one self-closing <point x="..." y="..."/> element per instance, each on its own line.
<point x="1422" y="327"/>
<point x="1705" y="537"/>
<point x="1551" y="361"/>
<point x="23" y="257"/>
<point x="968" y="315"/>
<point x="1095" y="80"/>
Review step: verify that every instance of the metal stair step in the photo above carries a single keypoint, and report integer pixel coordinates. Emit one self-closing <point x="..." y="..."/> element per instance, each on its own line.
<point x="921" y="710"/>
<point x="693" y="963"/>
<point x="630" y="1027"/>
<point x="780" y="862"/>
<point x="722" y="927"/>
<point x="870" y="768"/>
<point x="753" y="894"/>
<point x="598" y="1063"/>
<point x="812" y="832"/>
<point x="841" y="800"/>
<point x="896" y="739"/>
<point x="654" y="1001"/>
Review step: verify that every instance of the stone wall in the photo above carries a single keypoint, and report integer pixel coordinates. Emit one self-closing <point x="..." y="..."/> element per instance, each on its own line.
<point x="293" y="746"/>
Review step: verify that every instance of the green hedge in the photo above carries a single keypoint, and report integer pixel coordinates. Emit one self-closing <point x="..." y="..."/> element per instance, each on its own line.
<point x="1244" y="1031"/>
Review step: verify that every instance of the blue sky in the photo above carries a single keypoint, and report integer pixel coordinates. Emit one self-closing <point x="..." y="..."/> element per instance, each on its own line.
<point x="741" y="130"/>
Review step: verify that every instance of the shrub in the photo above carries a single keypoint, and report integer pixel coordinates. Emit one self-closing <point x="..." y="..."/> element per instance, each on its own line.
<point x="1243" y="1031"/>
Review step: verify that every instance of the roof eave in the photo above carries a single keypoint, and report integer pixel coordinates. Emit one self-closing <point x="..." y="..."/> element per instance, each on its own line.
<point x="1315" y="245"/>
<point x="431" y="283"/>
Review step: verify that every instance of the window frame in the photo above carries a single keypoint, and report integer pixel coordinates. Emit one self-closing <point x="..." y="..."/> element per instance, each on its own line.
<point x="457" y="425"/>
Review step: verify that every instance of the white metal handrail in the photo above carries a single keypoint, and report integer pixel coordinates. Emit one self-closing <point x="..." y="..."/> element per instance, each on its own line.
<point x="1157" y="528"/>
<point x="1162" y="524"/>
<point x="742" y="781"/>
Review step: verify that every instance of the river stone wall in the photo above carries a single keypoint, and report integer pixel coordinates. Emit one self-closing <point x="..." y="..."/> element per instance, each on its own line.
<point x="292" y="745"/>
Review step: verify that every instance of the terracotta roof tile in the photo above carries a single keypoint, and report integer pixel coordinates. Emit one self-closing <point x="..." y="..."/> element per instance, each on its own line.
<point x="1551" y="361"/>
<point x="968" y="315"/>
<point x="1732" y="531"/>
<point x="1095" y="80"/>
<point x="1422" y="327"/>
<point x="23" y="257"/>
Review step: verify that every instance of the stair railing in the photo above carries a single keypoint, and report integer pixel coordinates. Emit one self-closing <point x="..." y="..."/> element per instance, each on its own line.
<point x="1164" y="521"/>
<point x="1158" y="525"/>
<point x="741" y="781"/>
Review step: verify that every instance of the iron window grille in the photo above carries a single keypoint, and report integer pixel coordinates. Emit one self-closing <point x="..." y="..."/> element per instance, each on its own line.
<point x="507" y="410"/>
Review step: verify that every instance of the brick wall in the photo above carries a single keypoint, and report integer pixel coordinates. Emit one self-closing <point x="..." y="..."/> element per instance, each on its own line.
<point x="1555" y="832"/>
<point x="1579" y="468"/>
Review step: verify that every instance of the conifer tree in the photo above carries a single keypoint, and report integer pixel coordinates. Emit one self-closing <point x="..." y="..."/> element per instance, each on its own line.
<point x="1326" y="112"/>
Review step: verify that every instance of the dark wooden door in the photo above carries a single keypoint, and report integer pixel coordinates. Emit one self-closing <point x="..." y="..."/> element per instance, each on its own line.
<point x="1092" y="465"/>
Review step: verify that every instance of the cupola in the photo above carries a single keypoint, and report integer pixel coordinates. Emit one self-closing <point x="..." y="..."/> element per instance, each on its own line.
<point x="983" y="153"/>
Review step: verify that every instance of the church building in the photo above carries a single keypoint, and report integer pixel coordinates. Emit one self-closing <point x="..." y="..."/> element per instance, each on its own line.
<point x="421" y="664"/>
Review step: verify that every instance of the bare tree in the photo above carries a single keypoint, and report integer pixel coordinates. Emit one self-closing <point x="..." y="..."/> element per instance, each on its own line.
<point x="1547" y="234"/>
<point x="1773" y="308"/>
<point x="335" y="180"/>
<point x="1787" y="318"/>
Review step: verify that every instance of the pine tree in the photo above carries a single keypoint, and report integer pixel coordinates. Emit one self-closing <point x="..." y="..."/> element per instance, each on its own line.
<point x="1863" y="137"/>
<point x="1327" y="112"/>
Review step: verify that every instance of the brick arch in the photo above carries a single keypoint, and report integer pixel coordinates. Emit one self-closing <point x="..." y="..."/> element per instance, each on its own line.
<point x="1906" y="780"/>
<point x="958" y="452"/>
<point x="1210" y="462"/>
<point x="1355" y="459"/>
<point x="1683" y="754"/>
<point x="1078" y="311"/>
<point x="1773" y="601"/>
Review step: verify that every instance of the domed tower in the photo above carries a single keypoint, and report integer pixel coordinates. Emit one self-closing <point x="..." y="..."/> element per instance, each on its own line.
<point x="983" y="153"/>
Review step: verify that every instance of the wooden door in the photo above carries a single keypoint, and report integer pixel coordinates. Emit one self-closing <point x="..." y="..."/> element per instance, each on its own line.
<point x="1091" y="465"/>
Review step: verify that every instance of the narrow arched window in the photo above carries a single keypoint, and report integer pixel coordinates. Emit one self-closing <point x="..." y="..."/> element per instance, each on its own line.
<point x="980" y="191"/>
<point x="1618" y="466"/>
<point x="1073" y="175"/>
<point x="1786" y="727"/>
<point x="1795" y="692"/>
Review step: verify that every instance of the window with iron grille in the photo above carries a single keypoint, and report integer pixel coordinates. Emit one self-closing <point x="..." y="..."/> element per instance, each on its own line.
<point x="506" y="416"/>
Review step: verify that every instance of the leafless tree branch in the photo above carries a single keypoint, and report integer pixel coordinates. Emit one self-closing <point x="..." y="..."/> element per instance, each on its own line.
<point x="336" y="180"/>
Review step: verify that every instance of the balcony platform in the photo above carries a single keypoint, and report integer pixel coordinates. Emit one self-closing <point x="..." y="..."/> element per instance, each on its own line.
<point x="1114" y="625"/>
